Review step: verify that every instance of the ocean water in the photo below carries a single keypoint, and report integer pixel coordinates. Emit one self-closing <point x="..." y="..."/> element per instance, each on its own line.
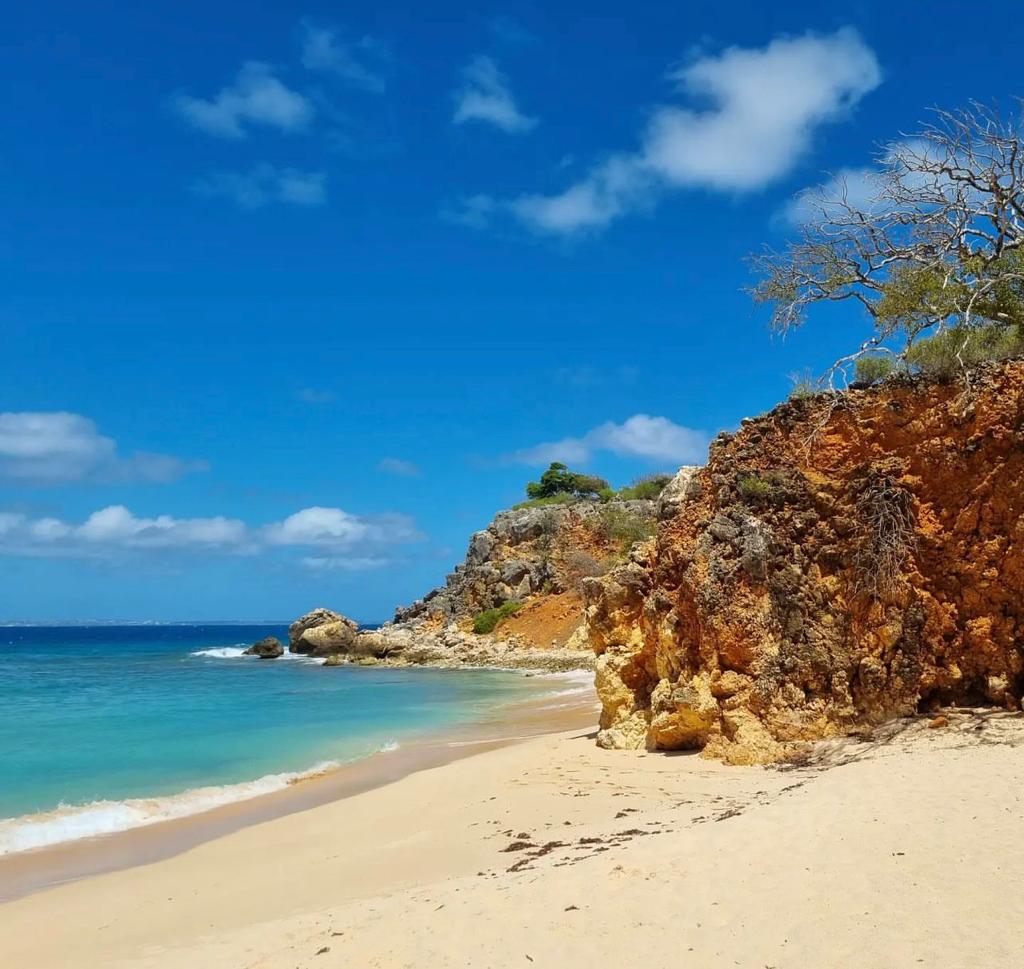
<point x="109" y="727"/>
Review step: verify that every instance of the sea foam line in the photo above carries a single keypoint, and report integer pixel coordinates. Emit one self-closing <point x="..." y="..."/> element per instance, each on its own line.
<point x="238" y="652"/>
<point x="76" y="821"/>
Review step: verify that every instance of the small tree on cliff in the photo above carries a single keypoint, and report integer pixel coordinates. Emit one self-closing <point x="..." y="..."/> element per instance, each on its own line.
<point x="933" y="241"/>
<point x="559" y="480"/>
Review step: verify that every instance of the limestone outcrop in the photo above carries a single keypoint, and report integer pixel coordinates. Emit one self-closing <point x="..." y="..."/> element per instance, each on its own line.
<point x="839" y="562"/>
<point x="269" y="647"/>
<point x="321" y="632"/>
<point x="534" y="557"/>
<point x="523" y="552"/>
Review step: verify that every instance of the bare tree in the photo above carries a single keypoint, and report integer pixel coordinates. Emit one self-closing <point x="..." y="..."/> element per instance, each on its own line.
<point x="933" y="240"/>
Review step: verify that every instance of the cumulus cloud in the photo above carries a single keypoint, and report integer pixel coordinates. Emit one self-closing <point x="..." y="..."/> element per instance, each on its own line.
<point x="485" y="96"/>
<point x="397" y="466"/>
<point x="641" y="436"/>
<point x="257" y="97"/>
<point x="757" y="110"/>
<point x="265" y="184"/>
<point x="51" y="447"/>
<point x="337" y="529"/>
<point x="115" y="529"/>
<point x="111" y="532"/>
<point x="361" y="63"/>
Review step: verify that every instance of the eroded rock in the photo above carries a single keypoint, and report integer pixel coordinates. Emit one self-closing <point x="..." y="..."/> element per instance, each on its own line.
<point x="321" y="632"/>
<point x="827" y="571"/>
<point x="268" y="648"/>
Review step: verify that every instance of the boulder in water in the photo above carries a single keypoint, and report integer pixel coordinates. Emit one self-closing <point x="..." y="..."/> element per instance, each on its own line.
<point x="268" y="648"/>
<point x="328" y="638"/>
<point x="321" y="632"/>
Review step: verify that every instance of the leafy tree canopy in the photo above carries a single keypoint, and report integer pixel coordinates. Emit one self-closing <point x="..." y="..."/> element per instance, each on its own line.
<point x="559" y="480"/>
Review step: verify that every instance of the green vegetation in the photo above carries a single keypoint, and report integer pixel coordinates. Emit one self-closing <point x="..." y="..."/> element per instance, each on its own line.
<point x="559" y="480"/>
<point x="754" y="489"/>
<point x="622" y="528"/>
<point x="805" y="385"/>
<point x="559" y="498"/>
<point x="870" y="370"/>
<point x="934" y="257"/>
<point x="646" y="488"/>
<point x="952" y="350"/>
<point x="560" y="486"/>
<point x="489" y="620"/>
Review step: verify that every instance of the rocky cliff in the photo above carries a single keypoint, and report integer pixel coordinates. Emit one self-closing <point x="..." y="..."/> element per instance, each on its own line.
<point x="536" y="559"/>
<point x="839" y="562"/>
<point x="530" y="560"/>
<point x="530" y="551"/>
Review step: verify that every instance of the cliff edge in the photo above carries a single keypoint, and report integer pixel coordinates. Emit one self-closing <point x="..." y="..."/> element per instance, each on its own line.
<point x="839" y="562"/>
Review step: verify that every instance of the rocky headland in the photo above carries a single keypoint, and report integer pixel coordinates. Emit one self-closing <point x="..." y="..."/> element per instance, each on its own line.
<point x="841" y="561"/>
<point x="523" y="572"/>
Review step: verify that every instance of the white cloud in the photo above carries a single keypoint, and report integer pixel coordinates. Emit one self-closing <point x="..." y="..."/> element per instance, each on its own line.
<point x="51" y="447"/>
<point x="485" y="96"/>
<point x="334" y="528"/>
<point x="117" y="526"/>
<point x="397" y="466"/>
<point x="863" y="189"/>
<point x="360" y="62"/>
<point x="256" y="98"/>
<point x="858" y="187"/>
<point x="762" y="107"/>
<point x="265" y="184"/>
<point x="317" y="526"/>
<point x="114" y="531"/>
<point x="641" y="436"/>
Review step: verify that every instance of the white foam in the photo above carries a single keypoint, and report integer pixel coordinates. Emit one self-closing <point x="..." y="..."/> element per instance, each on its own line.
<point x="580" y="681"/>
<point x="238" y="652"/>
<point x="221" y="652"/>
<point x="73" y="822"/>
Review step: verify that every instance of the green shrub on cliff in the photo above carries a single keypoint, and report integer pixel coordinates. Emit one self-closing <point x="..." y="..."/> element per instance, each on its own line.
<point x="622" y="528"/>
<point x="559" y="480"/>
<point x="560" y="498"/>
<point x="871" y="369"/>
<point x="754" y="489"/>
<point x="489" y="620"/>
<point x="646" y="488"/>
<point x="946" y="353"/>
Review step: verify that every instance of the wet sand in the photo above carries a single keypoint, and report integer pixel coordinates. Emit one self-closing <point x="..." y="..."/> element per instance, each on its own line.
<point x="889" y="853"/>
<point x="25" y="872"/>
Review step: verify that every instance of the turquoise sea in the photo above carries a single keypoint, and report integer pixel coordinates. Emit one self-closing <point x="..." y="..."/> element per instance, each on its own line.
<point x="108" y="727"/>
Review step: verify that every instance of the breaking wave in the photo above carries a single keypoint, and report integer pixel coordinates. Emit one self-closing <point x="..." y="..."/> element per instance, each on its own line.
<point x="73" y="822"/>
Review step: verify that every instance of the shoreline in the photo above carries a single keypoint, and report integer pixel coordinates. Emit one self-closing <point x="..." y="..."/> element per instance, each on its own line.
<point x="31" y="870"/>
<point x="555" y="852"/>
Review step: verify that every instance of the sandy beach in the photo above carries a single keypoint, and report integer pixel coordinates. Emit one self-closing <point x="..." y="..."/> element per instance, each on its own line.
<point x="899" y="851"/>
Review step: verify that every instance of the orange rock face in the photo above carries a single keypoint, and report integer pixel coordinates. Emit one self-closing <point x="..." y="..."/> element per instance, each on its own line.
<point x="835" y="565"/>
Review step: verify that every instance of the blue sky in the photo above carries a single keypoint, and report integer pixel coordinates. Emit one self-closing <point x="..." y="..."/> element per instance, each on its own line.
<point x="296" y="297"/>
